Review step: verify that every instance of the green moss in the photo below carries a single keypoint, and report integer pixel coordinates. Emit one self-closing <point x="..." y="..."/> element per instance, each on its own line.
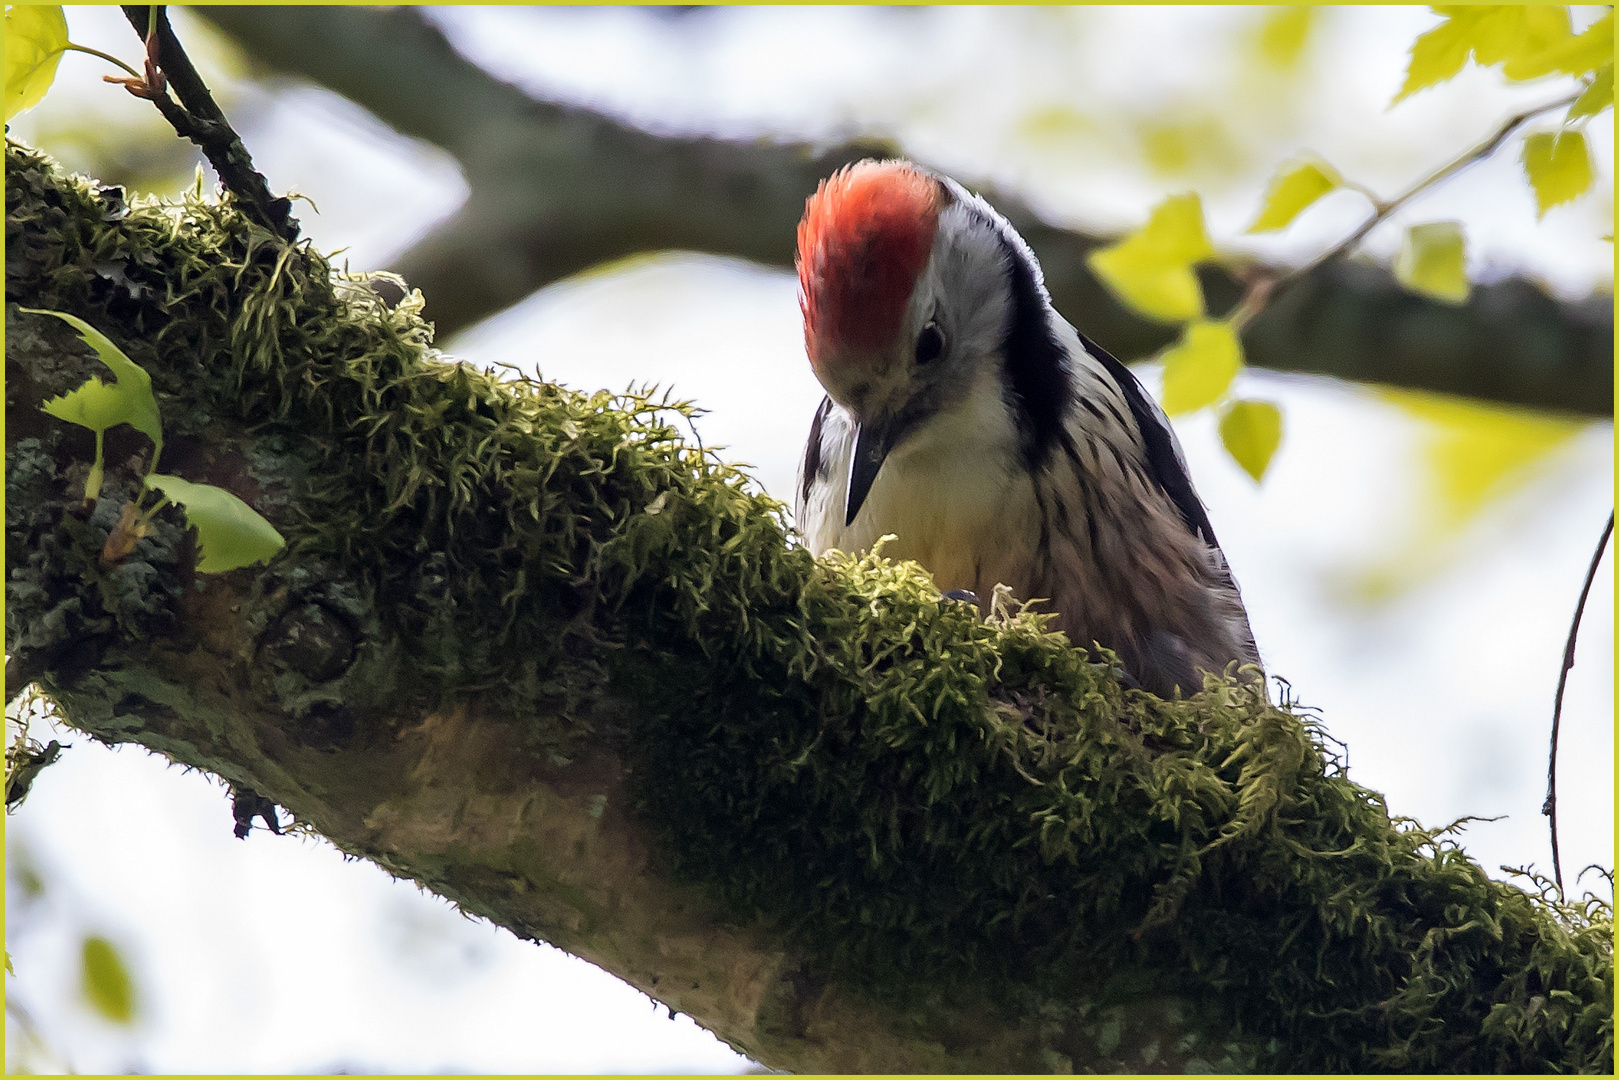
<point x="911" y="792"/>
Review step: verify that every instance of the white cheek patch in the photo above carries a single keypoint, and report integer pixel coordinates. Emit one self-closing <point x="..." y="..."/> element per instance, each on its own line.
<point x="820" y="508"/>
<point x="966" y="268"/>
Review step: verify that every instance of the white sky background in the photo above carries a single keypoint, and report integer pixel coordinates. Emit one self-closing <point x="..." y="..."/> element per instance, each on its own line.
<point x="276" y="955"/>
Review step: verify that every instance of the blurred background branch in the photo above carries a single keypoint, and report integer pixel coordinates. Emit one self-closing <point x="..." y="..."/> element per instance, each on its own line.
<point x="559" y="188"/>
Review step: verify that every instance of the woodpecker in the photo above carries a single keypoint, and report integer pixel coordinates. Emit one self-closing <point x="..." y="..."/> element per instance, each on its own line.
<point x="996" y="443"/>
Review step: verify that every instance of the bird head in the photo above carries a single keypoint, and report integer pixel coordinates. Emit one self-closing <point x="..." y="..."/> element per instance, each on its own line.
<point x="863" y="245"/>
<point x="904" y="288"/>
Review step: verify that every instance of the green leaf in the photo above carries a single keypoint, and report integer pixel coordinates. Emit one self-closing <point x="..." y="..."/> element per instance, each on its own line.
<point x="1508" y="33"/>
<point x="1285" y="32"/>
<point x="1477" y="452"/>
<point x="1563" y="54"/>
<point x="1151" y="269"/>
<point x="1433" y="261"/>
<point x="1598" y="96"/>
<point x="1292" y="190"/>
<point x="1470" y="456"/>
<point x="107" y="986"/>
<point x="1175" y="230"/>
<point x="36" y="36"/>
<point x="1056" y="126"/>
<point x="1437" y="55"/>
<point x="135" y="404"/>
<point x="230" y="533"/>
<point x="1199" y="368"/>
<point x="1251" y="432"/>
<point x="1191" y="143"/>
<point x="95" y="405"/>
<point x="1169" y="293"/>
<point x="1530" y="40"/>
<point x="1558" y="166"/>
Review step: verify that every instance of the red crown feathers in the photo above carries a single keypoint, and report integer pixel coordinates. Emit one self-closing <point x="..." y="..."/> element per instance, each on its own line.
<point x="866" y="236"/>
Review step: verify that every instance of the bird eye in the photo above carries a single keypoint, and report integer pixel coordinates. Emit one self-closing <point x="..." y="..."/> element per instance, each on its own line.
<point x="929" y="344"/>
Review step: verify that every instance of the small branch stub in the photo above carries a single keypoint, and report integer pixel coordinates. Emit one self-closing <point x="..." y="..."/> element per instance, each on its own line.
<point x="247" y="804"/>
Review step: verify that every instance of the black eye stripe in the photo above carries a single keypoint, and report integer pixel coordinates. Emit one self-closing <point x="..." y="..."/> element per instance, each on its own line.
<point x="929" y="344"/>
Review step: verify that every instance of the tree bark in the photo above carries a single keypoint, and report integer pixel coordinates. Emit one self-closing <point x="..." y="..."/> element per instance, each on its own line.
<point x="556" y="189"/>
<point x="526" y="649"/>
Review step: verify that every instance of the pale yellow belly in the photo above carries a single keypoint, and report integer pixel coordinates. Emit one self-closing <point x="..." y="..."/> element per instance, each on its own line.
<point x="968" y="536"/>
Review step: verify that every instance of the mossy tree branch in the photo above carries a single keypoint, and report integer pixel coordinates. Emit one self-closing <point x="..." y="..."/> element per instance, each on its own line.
<point x="556" y="189"/>
<point x="527" y="648"/>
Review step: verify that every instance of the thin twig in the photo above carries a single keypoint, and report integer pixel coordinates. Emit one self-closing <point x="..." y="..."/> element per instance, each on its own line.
<point x="1549" y="808"/>
<point x="1260" y="293"/>
<point x="1382" y="210"/>
<point x="1256" y="294"/>
<point x="198" y="118"/>
<point x="70" y="47"/>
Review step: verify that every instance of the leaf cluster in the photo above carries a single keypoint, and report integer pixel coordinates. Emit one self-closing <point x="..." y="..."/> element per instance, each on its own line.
<point x="1151" y="269"/>
<point x="230" y="534"/>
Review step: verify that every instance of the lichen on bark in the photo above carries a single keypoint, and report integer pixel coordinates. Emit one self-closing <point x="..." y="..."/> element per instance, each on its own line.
<point x="530" y="649"/>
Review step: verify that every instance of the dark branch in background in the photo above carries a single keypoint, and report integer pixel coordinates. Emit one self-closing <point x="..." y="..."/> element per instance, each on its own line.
<point x="1550" y="807"/>
<point x="199" y="119"/>
<point x="556" y="189"/>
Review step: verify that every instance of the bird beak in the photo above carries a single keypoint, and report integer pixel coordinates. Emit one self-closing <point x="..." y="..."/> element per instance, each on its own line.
<point x="872" y="443"/>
